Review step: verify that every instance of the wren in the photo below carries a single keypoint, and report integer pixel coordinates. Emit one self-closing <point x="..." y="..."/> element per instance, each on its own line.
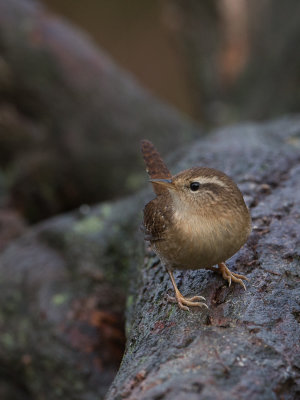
<point x="198" y="220"/>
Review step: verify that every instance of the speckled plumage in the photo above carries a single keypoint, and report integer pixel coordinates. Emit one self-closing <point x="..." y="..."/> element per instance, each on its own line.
<point x="211" y="224"/>
<point x="192" y="229"/>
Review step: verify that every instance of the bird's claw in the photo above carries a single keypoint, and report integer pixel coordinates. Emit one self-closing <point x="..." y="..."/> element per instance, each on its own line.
<point x="183" y="302"/>
<point x="231" y="276"/>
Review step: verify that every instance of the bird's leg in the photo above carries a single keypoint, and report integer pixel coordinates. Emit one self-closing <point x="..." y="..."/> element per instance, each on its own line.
<point x="228" y="275"/>
<point x="182" y="301"/>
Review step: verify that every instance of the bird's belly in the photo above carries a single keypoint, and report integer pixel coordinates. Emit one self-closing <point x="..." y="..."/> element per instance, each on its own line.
<point x="194" y="246"/>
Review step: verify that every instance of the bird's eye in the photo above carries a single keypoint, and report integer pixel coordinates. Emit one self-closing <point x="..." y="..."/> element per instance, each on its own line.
<point x="194" y="186"/>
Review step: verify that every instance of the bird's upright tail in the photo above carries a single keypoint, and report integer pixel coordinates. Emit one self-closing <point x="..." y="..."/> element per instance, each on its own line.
<point x="155" y="166"/>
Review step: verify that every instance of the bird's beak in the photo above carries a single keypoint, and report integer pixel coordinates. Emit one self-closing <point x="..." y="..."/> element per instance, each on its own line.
<point x="164" y="182"/>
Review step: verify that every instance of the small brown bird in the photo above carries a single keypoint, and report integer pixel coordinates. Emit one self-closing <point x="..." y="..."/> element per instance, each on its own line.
<point x="198" y="219"/>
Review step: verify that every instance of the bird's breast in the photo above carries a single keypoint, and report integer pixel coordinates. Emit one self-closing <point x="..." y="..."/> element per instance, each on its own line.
<point x="199" y="241"/>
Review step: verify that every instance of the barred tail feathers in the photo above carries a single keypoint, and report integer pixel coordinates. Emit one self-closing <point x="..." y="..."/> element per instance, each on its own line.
<point x="155" y="166"/>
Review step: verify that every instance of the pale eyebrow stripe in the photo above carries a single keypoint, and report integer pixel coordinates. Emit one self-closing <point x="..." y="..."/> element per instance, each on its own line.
<point x="209" y="179"/>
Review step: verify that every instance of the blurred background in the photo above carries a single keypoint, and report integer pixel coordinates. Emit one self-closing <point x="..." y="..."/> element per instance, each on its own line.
<point x="74" y="103"/>
<point x="213" y="60"/>
<point x="81" y="83"/>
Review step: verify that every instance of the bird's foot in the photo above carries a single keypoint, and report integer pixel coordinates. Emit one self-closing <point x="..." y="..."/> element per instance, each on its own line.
<point x="183" y="302"/>
<point x="231" y="276"/>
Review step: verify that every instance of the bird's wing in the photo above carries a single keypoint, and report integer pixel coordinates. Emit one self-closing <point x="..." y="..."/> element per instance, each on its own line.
<point x="156" y="219"/>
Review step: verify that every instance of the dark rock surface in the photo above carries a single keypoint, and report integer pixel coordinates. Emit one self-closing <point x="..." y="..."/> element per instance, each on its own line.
<point x="247" y="345"/>
<point x="62" y="295"/>
<point x="70" y="119"/>
<point x="64" y="284"/>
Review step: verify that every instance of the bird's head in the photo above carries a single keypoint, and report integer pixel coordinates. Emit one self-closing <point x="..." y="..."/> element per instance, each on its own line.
<point x="201" y="186"/>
